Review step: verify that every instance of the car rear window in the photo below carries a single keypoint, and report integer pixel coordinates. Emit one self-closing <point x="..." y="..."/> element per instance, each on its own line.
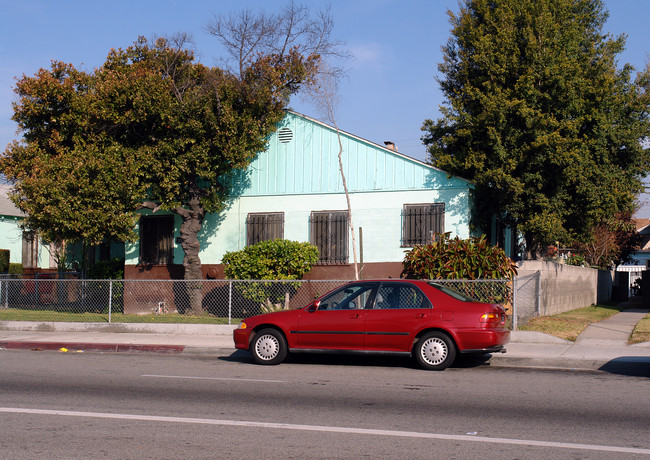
<point x="455" y="294"/>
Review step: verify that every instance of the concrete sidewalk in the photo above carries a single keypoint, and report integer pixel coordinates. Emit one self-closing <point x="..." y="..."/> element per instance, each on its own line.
<point x="602" y="345"/>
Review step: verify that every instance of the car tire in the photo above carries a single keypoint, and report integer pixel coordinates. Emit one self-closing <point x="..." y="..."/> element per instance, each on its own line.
<point x="269" y="347"/>
<point x="435" y="351"/>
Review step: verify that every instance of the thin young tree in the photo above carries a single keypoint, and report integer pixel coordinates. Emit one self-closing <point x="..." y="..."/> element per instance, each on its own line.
<point x="325" y="96"/>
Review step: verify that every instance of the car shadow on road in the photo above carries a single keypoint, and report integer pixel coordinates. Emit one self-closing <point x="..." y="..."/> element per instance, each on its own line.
<point x="354" y="359"/>
<point x="632" y="366"/>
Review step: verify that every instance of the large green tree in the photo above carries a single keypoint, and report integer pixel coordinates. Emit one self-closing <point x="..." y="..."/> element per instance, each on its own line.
<point x="75" y="182"/>
<point x="152" y="128"/>
<point x="539" y="117"/>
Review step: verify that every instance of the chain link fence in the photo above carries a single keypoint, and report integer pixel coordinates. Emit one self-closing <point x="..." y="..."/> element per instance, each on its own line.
<point x="221" y="301"/>
<point x="526" y="298"/>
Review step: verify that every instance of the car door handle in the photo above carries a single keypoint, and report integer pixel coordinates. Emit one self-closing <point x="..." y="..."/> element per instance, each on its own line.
<point x="419" y="315"/>
<point x="355" y="316"/>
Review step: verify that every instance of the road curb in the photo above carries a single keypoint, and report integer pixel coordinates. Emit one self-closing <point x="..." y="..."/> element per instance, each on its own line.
<point x="93" y="347"/>
<point x="141" y="328"/>
<point x="546" y="363"/>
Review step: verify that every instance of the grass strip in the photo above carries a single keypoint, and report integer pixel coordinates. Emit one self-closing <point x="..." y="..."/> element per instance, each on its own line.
<point x="17" y="314"/>
<point x="641" y="332"/>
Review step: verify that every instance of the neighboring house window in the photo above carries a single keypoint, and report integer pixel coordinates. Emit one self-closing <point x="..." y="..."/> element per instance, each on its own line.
<point x="156" y="240"/>
<point x="30" y="249"/>
<point x="421" y="221"/>
<point x="329" y="232"/>
<point x="264" y="227"/>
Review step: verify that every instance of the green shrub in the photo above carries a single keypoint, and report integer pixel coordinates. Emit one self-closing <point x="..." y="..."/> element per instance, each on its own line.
<point x="107" y="270"/>
<point x="270" y="260"/>
<point x="448" y="258"/>
<point x="15" y="269"/>
<point x="576" y="259"/>
<point x="4" y="260"/>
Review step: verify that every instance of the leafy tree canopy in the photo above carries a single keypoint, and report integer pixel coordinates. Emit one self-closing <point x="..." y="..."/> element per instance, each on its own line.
<point x="538" y="116"/>
<point x="149" y="128"/>
<point x="74" y="181"/>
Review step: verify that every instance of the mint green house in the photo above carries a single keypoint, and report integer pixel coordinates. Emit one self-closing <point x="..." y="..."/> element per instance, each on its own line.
<point x="294" y="190"/>
<point x="24" y="247"/>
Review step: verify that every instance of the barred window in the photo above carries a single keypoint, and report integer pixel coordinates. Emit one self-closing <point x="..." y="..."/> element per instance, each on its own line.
<point x="157" y="240"/>
<point x="420" y="222"/>
<point x="264" y="227"/>
<point x="329" y="232"/>
<point x="30" y="249"/>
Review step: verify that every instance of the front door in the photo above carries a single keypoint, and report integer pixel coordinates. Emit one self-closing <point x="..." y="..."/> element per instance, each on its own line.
<point x="338" y="322"/>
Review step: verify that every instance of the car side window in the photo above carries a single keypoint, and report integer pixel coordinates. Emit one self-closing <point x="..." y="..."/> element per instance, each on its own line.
<point x="353" y="297"/>
<point x="395" y="296"/>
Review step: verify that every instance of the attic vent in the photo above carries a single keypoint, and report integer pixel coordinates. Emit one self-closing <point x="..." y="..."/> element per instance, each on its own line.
<point x="285" y="135"/>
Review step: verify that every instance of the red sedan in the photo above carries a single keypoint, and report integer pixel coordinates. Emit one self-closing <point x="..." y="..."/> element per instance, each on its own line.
<point x="420" y="318"/>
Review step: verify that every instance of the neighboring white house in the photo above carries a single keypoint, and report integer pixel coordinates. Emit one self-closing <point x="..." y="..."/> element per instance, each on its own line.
<point x="639" y="260"/>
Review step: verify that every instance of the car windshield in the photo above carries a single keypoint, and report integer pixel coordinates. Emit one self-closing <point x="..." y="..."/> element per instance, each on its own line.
<point x="455" y="294"/>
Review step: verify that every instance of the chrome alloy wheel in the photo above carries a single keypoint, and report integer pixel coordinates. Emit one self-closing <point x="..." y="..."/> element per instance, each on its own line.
<point x="434" y="351"/>
<point x="267" y="347"/>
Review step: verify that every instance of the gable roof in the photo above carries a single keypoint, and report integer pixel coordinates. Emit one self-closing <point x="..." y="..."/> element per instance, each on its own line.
<point x="7" y="208"/>
<point x="302" y="158"/>
<point x="642" y="225"/>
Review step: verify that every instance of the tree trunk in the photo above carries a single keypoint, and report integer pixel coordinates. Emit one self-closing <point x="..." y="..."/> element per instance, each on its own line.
<point x="532" y="247"/>
<point x="190" y="228"/>
<point x="347" y="198"/>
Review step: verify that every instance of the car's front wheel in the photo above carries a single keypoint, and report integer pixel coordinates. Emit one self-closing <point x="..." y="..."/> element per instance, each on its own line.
<point x="269" y="347"/>
<point x="435" y="351"/>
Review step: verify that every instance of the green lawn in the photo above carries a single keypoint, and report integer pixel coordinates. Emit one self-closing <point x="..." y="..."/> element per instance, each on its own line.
<point x="570" y="324"/>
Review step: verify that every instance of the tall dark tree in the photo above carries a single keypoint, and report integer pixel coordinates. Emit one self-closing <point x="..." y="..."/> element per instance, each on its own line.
<point x="540" y="118"/>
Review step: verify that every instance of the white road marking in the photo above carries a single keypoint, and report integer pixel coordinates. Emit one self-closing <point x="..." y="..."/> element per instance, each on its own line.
<point x="211" y="378"/>
<point x="328" y="429"/>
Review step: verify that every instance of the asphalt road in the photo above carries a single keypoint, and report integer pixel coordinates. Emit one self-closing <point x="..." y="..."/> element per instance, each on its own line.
<point x="57" y="405"/>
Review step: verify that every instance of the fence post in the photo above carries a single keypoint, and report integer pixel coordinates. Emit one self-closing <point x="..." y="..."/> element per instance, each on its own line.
<point x="35" y="295"/>
<point x="538" y="307"/>
<point x="229" y="302"/>
<point x="110" y="299"/>
<point x="514" y="303"/>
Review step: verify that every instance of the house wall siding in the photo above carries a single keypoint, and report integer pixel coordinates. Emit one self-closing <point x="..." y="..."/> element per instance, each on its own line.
<point x="308" y="164"/>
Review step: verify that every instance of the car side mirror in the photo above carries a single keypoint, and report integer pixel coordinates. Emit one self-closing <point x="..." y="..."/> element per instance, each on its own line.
<point x="314" y="306"/>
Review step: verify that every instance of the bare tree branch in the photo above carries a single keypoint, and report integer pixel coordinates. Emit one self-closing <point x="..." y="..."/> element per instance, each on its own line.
<point x="246" y="35"/>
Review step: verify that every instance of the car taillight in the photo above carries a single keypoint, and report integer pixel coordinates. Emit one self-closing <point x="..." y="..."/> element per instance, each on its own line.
<point x="492" y="318"/>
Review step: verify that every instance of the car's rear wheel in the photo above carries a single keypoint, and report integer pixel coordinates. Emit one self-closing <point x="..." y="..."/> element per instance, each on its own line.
<point x="269" y="347"/>
<point x="435" y="351"/>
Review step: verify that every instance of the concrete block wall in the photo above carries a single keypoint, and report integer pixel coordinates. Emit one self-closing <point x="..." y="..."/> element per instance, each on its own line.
<point x="567" y="287"/>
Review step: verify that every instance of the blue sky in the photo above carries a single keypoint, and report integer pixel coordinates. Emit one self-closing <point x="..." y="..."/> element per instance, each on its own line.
<point x="390" y="89"/>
